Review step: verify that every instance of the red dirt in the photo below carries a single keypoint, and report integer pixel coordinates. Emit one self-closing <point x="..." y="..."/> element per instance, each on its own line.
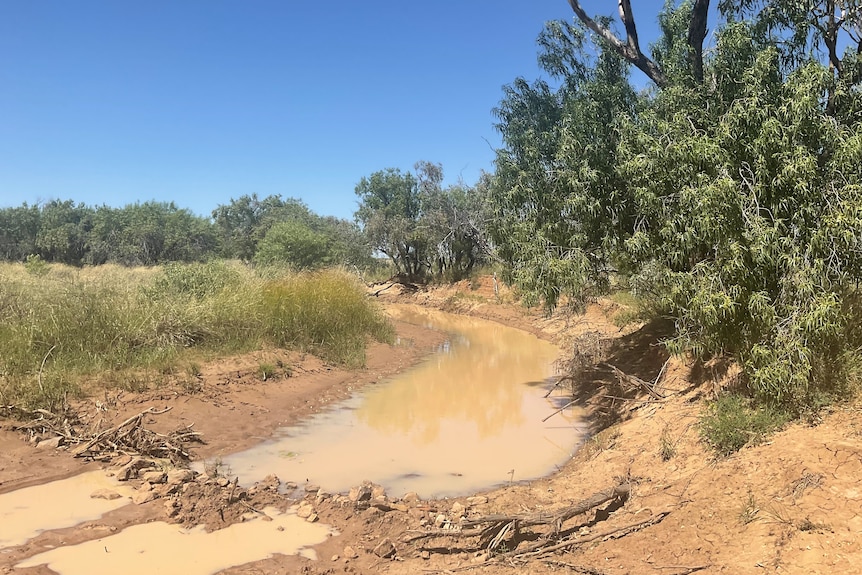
<point x="792" y="505"/>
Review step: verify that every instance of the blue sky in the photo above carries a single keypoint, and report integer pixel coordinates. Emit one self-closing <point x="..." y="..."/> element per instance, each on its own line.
<point x="201" y="101"/>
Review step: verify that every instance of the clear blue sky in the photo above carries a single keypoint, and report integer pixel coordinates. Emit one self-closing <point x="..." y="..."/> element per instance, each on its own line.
<point x="199" y="101"/>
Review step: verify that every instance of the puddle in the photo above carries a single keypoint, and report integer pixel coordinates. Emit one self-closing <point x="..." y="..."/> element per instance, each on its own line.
<point x="162" y="548"/>
<point x="27" y="512"/>
<point x="469" y="418"/>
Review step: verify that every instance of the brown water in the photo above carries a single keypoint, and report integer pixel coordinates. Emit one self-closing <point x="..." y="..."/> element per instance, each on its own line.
<point x="161" y="548"/>
<point x="468" y="418"/>
<point x="27" y="512"/>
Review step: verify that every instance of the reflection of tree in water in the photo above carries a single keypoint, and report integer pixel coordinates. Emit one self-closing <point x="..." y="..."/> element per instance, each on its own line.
<point x="478" y="379"/>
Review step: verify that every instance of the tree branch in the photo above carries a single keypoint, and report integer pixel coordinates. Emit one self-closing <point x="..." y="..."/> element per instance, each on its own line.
<point x="629" y="50"/>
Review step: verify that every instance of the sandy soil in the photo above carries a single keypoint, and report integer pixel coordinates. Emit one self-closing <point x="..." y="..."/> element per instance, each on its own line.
<point x="792" y="505"/>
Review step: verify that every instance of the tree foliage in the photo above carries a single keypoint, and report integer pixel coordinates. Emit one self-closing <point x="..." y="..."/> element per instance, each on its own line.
<point x="733" y="201"/>
<point x="423" y="228"/>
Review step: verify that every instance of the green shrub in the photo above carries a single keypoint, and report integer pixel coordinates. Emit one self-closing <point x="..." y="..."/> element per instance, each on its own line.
<point x="733" y="421"/>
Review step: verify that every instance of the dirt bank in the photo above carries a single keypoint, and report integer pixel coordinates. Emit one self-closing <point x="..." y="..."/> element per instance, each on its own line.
<point x="792" y="505"/>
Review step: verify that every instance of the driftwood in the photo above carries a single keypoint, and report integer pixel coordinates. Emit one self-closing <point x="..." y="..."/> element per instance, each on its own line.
<point x="494" y="530"/>
<point x="129" y="437"/>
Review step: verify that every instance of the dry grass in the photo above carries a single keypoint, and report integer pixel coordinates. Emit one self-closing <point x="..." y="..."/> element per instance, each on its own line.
<point x="66" y="330"/>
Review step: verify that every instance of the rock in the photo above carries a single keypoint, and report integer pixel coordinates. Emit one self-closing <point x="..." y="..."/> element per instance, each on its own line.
<point x="108" y="494"/>
<point x="440" y="520"/>
<point x="154" y="477"/>
<point x="52" y="443"/>
<point x="142" y="497"/>
<point x="121" y="460"/>
<point x="350" y="553"/>
<point x="360" y="494"/>
<point x="425" y="555"/>
<point x="335" y="558"/>
<point x="378" y="491"/>
<point x="411" y="497"/>
<point x="322" y="495"/>
<point x="477" y="500"/>
<point x="457" y="509"/>
<point x="305" y="510"/>
<point x="130" y="470"/>
<point x="311" y="488"/>
<point x="385" y="549"/>
<point x="481" y="557"/>
<point x="180" y="476"/>
<point x="270" y="483"/>
<point x="250" y="516"/>
<point x="222" y="481"/>
<point x="313" y="518"/>
<point x="400" y="507"/>
<point x="290" y="486"/>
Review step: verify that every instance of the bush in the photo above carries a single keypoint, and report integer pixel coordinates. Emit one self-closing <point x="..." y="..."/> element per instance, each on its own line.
<point x="733" y="421"/>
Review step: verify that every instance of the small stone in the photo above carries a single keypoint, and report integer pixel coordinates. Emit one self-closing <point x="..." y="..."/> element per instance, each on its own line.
<point x="305" y="510"/>
<point x="458" y="509"/>
<point x="108" y="494"/>
<point x="360" y="493"/>
<point x="270" y="482"/>
<point x="222" y="481"/>
<point x="279" y="528"/>
<point x="335" y="558"/>
<point x="122" y="460"/>
<point x="400" y="507"/>
<point x="130" y="470"/>
<point x="411" y="497"/>
<point x="477" y="500"/>
<point x="350" y="553"/>
<point x="313" y="518"/>
<point x="142" y="497"/>
<point x="425" y="554"/>
<point x="290" y="486"/>
<point x="377" y="491"/>
<point x="180" y="476"/>
<point x="153" y="476"/>
<point x="385" y="549"/>
<point x="249" y="516"/>
<point x="440" y="520"/>
<point x="311" y="488"/>
<point x="52" y="443"/>
<point x="322" y="495"/>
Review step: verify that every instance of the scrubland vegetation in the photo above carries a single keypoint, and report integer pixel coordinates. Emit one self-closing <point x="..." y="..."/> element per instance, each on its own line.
<point x="64" y="330"/>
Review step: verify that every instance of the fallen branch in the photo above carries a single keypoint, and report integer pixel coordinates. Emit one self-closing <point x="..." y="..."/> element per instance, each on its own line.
<point x="634" y="381"/>
<point x="493" y="530"/>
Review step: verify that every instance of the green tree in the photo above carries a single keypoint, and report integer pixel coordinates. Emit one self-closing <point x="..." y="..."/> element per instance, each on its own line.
<point x="389" y="210"/>
<point x="733" y="201"/>
<point x="295" y="244"/>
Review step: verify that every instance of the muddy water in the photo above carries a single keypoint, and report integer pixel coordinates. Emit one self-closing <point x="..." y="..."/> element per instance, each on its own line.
<point x="27" y="512"/>
<point x="468" y="418"/>
<point x="162" y="548"/>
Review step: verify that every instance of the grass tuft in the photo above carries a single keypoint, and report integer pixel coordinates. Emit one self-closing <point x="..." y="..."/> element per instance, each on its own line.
<point x="733" y="421"/>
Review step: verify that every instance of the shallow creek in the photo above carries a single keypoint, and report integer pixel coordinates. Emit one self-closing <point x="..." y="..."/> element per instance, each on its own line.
<point x="466" y="419"/>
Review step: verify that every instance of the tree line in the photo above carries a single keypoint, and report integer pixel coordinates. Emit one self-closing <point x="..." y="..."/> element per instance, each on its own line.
<point x="423" y="229"/>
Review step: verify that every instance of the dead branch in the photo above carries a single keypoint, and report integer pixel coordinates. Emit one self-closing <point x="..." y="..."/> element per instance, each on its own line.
<point x="634" y="381"/>
<point x="560" y="410"/>
<point x="612" y="534"/>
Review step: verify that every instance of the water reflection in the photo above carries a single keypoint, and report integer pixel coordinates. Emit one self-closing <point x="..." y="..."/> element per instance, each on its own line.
<point x="459" y="422"/>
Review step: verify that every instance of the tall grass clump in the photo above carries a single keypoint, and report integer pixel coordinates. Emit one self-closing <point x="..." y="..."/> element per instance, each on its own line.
<point x="324" y="312"/>
<point x="69" y="328"/>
